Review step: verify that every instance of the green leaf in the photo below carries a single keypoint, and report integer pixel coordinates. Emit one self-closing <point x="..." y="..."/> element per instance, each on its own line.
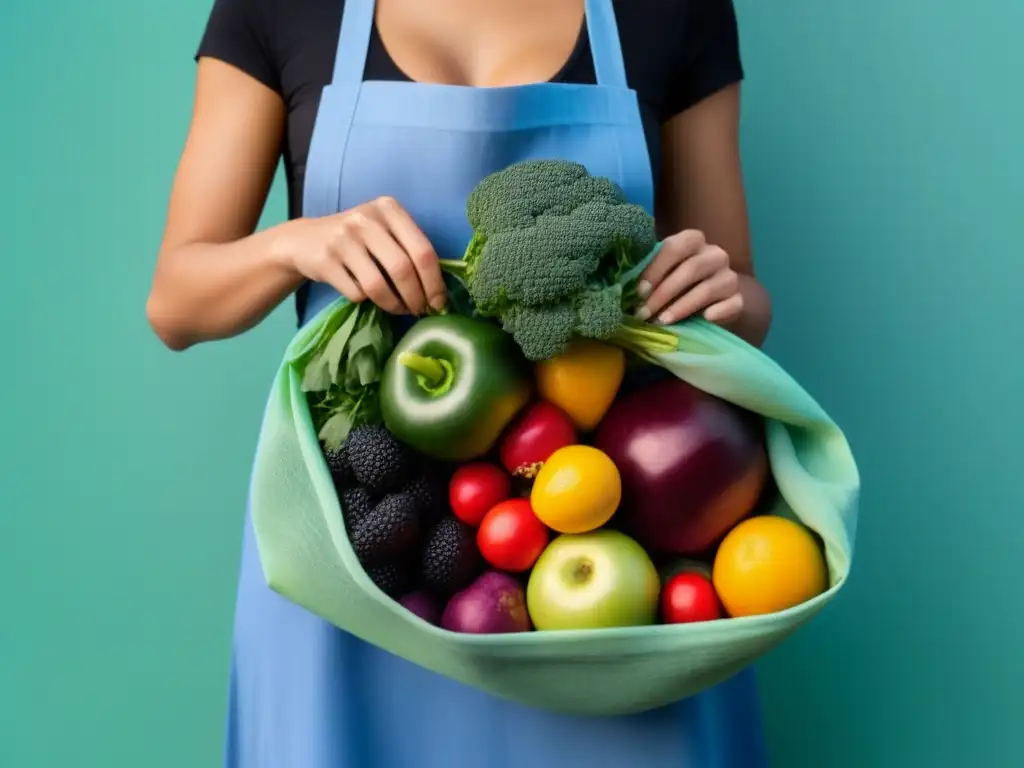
<point x="316" y="371"/>
<point x="341" y="370"/>
<point x="367" y="337"/>
<point x="317" y="376"/>
<point x="334" y="431"/>
<point x="368" y="409"/>
<point x="335" y="350"/>
<point x="321" y="337"/>
<point x="366" y="343"/>
<point x="387" y="339"/>
<point x="366" y="366"/>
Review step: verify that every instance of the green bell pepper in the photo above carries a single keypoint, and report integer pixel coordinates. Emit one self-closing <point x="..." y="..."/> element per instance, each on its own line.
<point x="452" y="385"/>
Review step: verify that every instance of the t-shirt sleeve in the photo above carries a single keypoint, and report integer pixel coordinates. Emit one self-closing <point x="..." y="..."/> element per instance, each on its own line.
<point x="710" y="57"/>
<point x="238" y="33"/>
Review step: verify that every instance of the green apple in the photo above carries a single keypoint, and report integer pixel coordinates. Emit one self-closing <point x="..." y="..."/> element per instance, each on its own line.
<point x="593" y="580"/>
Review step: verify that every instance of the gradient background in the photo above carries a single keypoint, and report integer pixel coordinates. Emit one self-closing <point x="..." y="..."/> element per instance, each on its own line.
<point x="885" y="155"/>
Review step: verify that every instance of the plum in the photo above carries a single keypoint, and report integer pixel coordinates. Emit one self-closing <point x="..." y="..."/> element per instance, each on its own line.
<point x="495" y="603"/>
<point x="692" y="465"/>
<point x="423" y="605"/>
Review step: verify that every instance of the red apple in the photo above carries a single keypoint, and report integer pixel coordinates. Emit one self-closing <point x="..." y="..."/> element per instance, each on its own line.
<point x="692" y="465"/>
<point x="541" y="430"/>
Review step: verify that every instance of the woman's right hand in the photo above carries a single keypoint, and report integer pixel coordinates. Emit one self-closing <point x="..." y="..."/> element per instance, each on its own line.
<point x="360" y="250"/>
<point x="216" y="276"/>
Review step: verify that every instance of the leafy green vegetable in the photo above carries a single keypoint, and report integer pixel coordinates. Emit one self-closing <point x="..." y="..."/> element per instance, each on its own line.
<point x="341" y="371"/>
<point x="552" y="256"/>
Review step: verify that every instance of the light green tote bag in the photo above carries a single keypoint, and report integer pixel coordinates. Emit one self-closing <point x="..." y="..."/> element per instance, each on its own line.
<point x="306" y="556"/>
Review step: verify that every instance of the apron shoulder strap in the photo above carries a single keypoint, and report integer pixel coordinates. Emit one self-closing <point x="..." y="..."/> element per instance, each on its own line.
<point x="353" y="42"/>
<point x="605" y="46"/>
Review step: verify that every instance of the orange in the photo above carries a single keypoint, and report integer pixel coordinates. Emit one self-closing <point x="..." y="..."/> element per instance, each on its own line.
<point x="767" y="564"/>
<point x="582" y="381"/>
<point x="577" y="490"/>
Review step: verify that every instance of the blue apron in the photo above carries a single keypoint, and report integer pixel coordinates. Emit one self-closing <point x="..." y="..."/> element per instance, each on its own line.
<point x="304" y="694"/>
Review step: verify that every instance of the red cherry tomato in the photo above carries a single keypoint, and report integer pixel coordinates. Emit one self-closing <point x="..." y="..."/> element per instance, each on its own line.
<point x="475" y="488"/>
<point x="511" y="538"/>
<point x="689" y="597"/>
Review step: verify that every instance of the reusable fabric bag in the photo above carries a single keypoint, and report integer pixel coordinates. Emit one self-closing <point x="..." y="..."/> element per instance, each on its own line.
<point x="307" y="558"/>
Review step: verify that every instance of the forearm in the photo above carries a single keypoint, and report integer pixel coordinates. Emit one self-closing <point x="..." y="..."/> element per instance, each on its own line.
<point x="208" y="291"/>
<point x="753" y="324"/>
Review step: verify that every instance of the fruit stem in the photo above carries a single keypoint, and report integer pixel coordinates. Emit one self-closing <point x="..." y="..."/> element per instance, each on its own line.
<point x="427" y="367"/>
<point x="582" y="572"/>
<point x="433" y="374"/>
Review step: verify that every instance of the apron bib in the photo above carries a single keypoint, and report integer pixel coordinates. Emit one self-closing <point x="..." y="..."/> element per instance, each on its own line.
<point x="428" y="145"/>
<point x="307" y="695"/>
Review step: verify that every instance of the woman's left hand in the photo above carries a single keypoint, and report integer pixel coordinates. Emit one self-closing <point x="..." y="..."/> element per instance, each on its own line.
<point x="689" y="275"/>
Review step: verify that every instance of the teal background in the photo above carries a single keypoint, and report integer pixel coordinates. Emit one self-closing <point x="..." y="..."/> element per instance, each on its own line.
<point x="885" y="158"/>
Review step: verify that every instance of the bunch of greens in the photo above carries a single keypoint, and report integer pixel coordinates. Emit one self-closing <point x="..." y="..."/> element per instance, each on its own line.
<point x="554" y="254"/>
<point x="341" y="371"/>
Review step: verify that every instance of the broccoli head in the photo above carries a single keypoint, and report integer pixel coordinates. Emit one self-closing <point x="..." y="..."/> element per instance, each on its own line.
<point x="551" y="245"/>
<point x="541" y="332"/>
<point x="598" y="312"/>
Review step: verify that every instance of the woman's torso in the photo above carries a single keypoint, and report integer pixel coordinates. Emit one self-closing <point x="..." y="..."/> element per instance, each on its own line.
<point x="308" y="35"/>
<point x="675" y="52"/>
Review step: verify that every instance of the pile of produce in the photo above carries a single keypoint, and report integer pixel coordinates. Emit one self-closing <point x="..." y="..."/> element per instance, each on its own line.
<point x="495" y="472"/>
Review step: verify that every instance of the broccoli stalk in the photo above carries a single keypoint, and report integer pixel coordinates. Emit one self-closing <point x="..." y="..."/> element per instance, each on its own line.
<point x="644" y="338"/>
<point x="550" y="255"/>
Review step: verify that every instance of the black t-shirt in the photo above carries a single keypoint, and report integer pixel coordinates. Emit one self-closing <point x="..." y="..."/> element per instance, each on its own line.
<point x="676" y="52"/>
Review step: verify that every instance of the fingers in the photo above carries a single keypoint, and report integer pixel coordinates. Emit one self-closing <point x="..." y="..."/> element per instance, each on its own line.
<point x="390" y="259"/>
<point x="338" y="277"/>
<point x="725" y="311"/>
<point x="719" y="293"/>
<point x="418" y="249"/>
<point x="686" y="273"/>
<point x="673" y="251"/>
<point x="393" y="259"/>
<point x="354" y="257"/>
<point x="688" y="276"/>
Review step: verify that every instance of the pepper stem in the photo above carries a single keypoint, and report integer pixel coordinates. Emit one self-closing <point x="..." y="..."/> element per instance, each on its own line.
<point x="429" y="368"/>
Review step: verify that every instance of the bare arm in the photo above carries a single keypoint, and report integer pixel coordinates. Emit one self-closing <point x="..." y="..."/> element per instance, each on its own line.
<point x="702" y="199"/>
<point x="214" y="278"/>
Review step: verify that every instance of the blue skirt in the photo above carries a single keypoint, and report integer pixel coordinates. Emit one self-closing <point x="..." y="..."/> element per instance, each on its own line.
<point x="305" y="694"/>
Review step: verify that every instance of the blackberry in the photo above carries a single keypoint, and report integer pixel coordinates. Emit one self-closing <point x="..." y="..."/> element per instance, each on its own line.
<point x="337" y="462"/>
<point x="428" y="491"/>
<point x="356" y="504"/>
<point x="391" y="578"/>
<point x="388" y="531"/>
<point x="341" y="471"/>
<point x="379" y="462"/>
<point x="450" y="559"/>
